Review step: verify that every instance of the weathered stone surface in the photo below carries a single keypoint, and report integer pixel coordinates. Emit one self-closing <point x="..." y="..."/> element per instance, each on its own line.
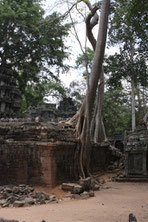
<point x="10" y="101"/>
<point x="77" y="189"/>
<point x="41" y="201"/>
<point x="85" y="183"/>
<point x="91" y="193"/>
<point x="29" y="201"/>
<point x="68" y="186"/>
<point x="5" y="205"/>
<point x="96" y="187"/>
<point x="2" y="202"/>
<point x="48" y="111"/>
<point x="41" y="153"/>
<point x="19" y="203"/>
<point x="25" y="196"/>
<point x="84" y="195"/>
<point x="136" y="158"/>
<point x="52" y="197"/>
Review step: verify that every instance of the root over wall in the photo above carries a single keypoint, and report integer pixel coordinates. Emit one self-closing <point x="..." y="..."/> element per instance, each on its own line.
<point x="41" y="154"/>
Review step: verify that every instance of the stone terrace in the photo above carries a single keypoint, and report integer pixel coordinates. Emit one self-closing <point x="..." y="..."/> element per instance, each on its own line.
<point x="39" y="153"/>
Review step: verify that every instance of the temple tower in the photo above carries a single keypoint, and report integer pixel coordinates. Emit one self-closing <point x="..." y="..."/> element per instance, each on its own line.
<point x="10" y="100"/>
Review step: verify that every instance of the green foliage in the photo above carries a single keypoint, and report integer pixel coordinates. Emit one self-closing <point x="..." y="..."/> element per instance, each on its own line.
<point x="84" y="59"/>
<point x="31" y="43"/>
<point x="76" y="91"/>
<point x="38" y="92"/>
<point x="120" y="67"/>
<point x="128" y="23"/>
<point x="116" y="112"/>
<point x="128" y="30"/>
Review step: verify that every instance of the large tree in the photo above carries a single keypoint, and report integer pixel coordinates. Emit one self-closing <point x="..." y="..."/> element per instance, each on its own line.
<point x="82" y="120"/>
<point x="120" y="69"/>
<point x="128" y="30"/>
<point x="30" y="42"/>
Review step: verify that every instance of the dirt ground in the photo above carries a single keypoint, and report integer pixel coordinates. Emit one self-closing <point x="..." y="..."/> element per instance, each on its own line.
<point x="112" y="203"/>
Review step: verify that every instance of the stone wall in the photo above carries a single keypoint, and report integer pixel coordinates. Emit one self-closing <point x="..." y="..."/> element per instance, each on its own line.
<point x="136" y="153"/>
<point x="48" y="112"/>
<point x="41" y="154"/>
<point x="100" y="157"/>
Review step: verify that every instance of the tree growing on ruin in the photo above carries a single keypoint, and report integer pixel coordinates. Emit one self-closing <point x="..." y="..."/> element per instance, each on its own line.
<point x="82" y="120"/>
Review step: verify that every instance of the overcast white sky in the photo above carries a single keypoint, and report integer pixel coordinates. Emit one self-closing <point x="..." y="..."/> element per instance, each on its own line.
<point x="50" y="6"/>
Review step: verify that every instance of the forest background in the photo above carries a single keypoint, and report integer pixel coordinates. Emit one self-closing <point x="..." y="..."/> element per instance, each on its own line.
<point x="38" y="42"/>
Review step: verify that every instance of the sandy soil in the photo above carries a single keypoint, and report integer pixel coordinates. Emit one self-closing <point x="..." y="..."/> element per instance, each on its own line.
<point x="113" y="203"/>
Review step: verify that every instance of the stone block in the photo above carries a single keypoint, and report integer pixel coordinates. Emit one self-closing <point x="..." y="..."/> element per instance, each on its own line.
<point x="18" y="203"/>
<point x="68" y="186"/>
<point x="77" y="189"/>
<point x="84" y="195"/>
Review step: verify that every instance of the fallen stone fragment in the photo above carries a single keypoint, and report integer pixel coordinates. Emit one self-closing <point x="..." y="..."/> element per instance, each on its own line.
<point x="11" y="199"/>
<point x="96" y="187"/>
<point x="5" y="205"/>
<point x="42" y="202"/>
<point x="85" y="183"/>
<point x="15" y="190"/>
<point x="8" y="189"/>
<point x="84" y="195"/>
<point x="52" y="197"/>
<point x="22" y="195"/>
<point x="68" y="186"/>
<point x="91" y="193"/>
<point x="76" y="196"/>
<point x="77" y="189"/>
<point x="2" y="202"/>
<point x="29" y="201"/>
<point x="18" y="203"/>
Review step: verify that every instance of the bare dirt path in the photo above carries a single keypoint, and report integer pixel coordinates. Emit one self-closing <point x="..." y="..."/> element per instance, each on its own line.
<point x="112" y="204"/>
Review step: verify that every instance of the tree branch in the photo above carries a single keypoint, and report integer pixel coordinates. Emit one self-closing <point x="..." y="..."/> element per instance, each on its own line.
<point x="91" y="21"/>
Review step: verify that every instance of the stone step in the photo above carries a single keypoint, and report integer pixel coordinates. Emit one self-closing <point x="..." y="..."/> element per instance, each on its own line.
<point x="132" y="179"/>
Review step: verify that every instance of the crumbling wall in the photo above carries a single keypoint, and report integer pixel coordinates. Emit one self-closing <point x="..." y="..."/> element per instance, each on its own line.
<point x="100" y="157"/>
<point x="136" y="153"/>
<point x="41" y="153"/>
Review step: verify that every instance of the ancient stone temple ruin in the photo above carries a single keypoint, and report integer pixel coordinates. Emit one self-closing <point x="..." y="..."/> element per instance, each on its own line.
<point x="48" y="111"/>
<point x="66" y="108"/>
<point x="40" y="153"/>
<point x="9" y="95"/>
<point x="136" y="156"/>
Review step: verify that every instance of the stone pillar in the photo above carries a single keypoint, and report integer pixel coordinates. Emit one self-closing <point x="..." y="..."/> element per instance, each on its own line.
<point x="145" y="172"/>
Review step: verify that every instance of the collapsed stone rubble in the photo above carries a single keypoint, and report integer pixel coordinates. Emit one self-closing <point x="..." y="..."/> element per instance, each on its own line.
<point x="23" y="195"/>
<point x="83" y="189"/>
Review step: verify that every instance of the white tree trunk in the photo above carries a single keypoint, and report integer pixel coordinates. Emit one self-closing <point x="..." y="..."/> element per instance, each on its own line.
<point x="132" y="51"/>
<point x="133" y="105"/>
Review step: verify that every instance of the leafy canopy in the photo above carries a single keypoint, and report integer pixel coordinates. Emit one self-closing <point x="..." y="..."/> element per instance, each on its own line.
<point x="31" y="43"/>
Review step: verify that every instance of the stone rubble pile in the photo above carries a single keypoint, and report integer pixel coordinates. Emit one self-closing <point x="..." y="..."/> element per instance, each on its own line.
<point x="23" y="195"/>
<point x="83" y="189"/>
<point x="17" y="119"/>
